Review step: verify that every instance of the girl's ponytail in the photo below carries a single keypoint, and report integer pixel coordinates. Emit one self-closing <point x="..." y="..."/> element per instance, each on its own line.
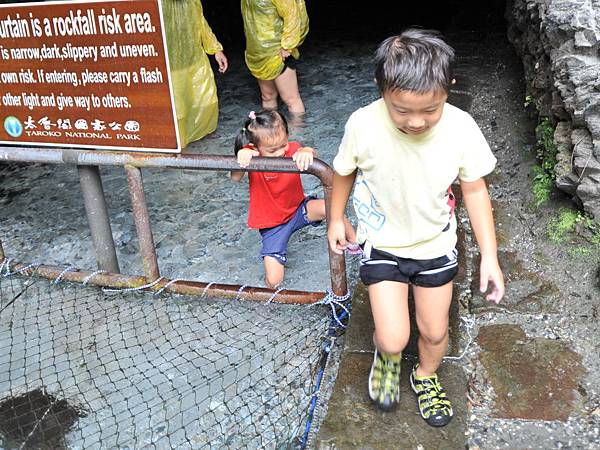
<point x="243" y="139"/>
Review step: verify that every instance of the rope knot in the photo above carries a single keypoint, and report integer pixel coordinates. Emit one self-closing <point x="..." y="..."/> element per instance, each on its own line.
<point x="332" y="300"/>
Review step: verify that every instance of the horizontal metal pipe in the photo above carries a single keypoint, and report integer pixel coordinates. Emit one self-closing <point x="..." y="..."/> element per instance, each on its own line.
<point x="183" y="287"/>
<point x="156" y="160"/>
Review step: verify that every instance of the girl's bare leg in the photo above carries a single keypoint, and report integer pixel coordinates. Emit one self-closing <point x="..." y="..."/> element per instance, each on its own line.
<point x="287" y="86"/>
<point x="268" y="94"/>
<point x="274" y="271"/>
<point x="315" y="210"/>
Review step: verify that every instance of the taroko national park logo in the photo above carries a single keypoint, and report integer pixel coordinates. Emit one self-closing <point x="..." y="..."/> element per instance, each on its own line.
<point x="13" y="126"/>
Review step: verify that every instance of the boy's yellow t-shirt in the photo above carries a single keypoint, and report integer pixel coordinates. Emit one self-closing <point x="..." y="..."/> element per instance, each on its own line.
<point x="401" y="189"/>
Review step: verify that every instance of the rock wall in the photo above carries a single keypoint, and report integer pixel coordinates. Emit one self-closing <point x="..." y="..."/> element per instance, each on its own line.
<point x="559" y="43"/>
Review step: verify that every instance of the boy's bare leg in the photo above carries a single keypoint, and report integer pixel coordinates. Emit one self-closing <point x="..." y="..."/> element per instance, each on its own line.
<point x="389" y="305"/>
<point x="268" y="94"/>
<point x="274" y="271"/>
<point x="432" y="307"/>
<point x="287" y="86"/>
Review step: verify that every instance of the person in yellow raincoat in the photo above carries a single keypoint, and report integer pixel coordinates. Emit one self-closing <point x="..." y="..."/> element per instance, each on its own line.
<point x="274" y="30"/>
<point x="189" y="40"/>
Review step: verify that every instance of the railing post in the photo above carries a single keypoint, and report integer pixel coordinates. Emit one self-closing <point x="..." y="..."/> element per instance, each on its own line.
<point x="337" y="263"/>
<point x="142" y="222"/>
<point x="98" y="219"/>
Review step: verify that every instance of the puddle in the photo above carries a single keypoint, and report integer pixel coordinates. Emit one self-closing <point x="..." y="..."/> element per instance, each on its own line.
<point x="36" y="420"/>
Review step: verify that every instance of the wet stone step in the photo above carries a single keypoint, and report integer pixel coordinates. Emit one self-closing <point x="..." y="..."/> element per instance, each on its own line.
<point x="404" y="428"/>
<point x="533" y="378"/>
<point x="353" y="422"/>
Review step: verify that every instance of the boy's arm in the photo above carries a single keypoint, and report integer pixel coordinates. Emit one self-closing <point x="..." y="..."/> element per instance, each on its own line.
<point x="336" y="231"/>
<point x="479" y="208"/>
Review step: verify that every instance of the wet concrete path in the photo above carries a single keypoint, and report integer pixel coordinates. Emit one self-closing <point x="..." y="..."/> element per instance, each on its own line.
<point x="528" y="379"/>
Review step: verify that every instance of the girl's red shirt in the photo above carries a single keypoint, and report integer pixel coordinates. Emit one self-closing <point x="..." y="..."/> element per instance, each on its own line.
<point x="274" y="196"/>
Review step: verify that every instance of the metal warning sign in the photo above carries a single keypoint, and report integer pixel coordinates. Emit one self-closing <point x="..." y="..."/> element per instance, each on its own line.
<point x="86" y="74"/>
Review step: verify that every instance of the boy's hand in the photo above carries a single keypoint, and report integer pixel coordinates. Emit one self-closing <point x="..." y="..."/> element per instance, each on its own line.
<point x="245" y="155"/>
<point x="490" y="271"/>
<point x="304" y="157"/>
<point x="336" y="235"/>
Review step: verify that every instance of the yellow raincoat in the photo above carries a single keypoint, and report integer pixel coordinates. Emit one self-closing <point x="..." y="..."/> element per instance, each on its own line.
<point x="189" y="39"/>
<point x="271" y="25"/>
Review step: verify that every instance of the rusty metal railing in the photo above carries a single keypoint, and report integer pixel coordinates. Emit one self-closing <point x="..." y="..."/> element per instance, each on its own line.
<point x="88" y="162"/>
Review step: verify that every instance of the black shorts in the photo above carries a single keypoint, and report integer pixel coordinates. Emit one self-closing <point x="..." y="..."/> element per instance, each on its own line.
<point x="290" y="63"/>
<point x="377" y="265"/>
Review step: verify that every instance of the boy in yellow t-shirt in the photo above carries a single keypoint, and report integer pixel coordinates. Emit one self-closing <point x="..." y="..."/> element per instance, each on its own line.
<point x="402" y="153"/>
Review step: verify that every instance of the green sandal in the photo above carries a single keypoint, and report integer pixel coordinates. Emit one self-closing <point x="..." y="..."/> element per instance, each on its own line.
<point x="384" y="380"/>
<point x="434" y="406"/>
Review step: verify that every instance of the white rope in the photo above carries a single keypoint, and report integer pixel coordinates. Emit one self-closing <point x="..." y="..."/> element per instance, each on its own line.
<point x="469" y="324"/>
<point x="26" y="268"/>
<point x="5" y="263"/>
<point x="8" y="273"/>
<point x="239" y="293"/>
<point x="139" y="288"/>
<point x="335" y="300"/>
<point x="206" y="289"/>
<point x="174" y="280"/>
<point x="87" y="279"/>
<point x="62" y="274"/>
<point x="274" y="295"/>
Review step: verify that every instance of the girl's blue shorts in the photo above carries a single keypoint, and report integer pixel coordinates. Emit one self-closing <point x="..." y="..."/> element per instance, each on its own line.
<point x="275" y="239"/>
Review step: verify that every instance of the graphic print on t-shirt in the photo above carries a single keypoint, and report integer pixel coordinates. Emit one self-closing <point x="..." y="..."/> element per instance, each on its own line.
<point x="366" y="207"/>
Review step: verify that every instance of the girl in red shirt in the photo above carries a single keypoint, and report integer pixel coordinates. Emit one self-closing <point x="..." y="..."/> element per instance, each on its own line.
<point x="278" y="206"/>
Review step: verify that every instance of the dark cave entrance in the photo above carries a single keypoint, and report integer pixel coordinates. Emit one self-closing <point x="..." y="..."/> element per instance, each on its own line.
<point x="373" y="21"/>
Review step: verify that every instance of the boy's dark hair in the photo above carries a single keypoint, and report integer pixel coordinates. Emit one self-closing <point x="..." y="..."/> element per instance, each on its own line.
<point x="261" y="124"/>
<point x="417" y="60"/>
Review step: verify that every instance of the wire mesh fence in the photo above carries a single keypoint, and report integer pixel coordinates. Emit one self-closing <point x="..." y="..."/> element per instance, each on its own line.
<point x="83" y="368"/>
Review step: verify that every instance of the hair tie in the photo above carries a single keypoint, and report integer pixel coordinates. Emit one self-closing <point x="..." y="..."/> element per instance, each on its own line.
<point x="252" y="115"/>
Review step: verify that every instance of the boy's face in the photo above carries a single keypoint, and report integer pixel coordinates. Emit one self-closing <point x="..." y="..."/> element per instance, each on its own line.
<point x="414" y="113"/>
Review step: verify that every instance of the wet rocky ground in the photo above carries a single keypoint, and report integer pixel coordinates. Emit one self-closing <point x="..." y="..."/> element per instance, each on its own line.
<point x="528" y="379"/>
